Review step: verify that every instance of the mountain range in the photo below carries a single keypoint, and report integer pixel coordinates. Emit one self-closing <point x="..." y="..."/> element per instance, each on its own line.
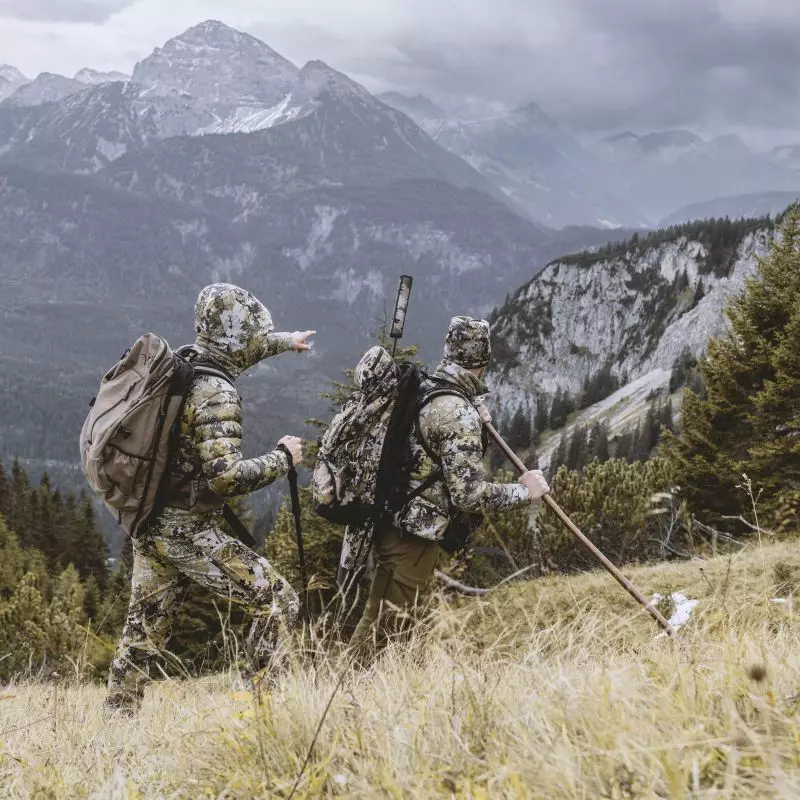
<point x="219" y="159"/>
<point x="621" y="180"/>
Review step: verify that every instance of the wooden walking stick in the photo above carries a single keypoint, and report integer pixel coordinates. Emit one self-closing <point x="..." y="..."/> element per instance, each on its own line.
<point x="629" y="587"/>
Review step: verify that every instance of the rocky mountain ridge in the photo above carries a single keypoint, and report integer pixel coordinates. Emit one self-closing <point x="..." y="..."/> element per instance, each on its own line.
<point x="631" y="309"/>
<point x="92" y="77"/>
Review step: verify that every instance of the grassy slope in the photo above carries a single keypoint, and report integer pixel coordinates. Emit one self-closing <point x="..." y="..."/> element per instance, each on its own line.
<point x="558" y="688"/>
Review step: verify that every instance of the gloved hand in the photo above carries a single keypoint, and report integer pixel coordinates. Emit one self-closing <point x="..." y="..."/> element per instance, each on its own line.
<point x="535" y="483"/>
<point x="294" y="444"/>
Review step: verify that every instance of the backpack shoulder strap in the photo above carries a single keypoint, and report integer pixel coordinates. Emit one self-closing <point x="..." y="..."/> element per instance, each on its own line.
<point x="441" y="388"/>
<point x="200" y="365"/>
<point x="214" y="372"/>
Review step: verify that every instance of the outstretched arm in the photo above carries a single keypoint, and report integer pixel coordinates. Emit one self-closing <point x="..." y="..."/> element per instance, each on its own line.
<point x="284" y="342"/>
<point x="218" y="436"/>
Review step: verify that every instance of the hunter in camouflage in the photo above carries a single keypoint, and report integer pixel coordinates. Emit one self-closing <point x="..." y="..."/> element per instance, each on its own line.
<point x="188" y="540"/>
<point x="449" y="441"/>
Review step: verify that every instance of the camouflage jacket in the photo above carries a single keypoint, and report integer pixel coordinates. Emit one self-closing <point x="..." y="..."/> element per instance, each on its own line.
<point x="449" y="438"/>
<point x="234" y="332"/>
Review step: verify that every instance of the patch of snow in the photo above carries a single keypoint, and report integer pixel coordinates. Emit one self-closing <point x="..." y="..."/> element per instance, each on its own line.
<point x="321" y="229"/>
<point x="352" y="285"/>
<point x="249" y="120"/>
<point x="110" y="151"/>
<point x="683" y="608"/>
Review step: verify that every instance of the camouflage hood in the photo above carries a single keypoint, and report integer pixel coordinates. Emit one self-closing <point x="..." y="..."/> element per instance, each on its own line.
<point x="233" y="327"/>
<point x="468" y="342"/>
<point x="376" y="372"/>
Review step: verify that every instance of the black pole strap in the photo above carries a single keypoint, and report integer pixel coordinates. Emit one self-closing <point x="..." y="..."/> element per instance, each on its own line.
<point x="294" y="493"/>
<point x="238" y="527"/>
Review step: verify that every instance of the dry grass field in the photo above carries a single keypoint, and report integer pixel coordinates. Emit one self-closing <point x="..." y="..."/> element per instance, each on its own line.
<point x="559" y="688"/>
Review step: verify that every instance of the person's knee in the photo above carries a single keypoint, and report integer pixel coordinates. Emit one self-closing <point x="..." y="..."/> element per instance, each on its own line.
<point x="270" y="593"/>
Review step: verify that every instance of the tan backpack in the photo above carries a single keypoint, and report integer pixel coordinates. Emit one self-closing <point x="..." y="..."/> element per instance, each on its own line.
<point x="125" y="441"/>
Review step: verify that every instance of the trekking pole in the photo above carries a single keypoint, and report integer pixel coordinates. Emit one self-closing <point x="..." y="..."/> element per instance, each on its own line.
<point x="400" y="310"/>
<point x="626" y="584"/>
<point x="295" y="495"/>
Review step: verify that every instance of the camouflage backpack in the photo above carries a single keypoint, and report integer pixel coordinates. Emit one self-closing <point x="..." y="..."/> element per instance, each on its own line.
<point x="125" y="441"/>
<point x="360" y="474"/>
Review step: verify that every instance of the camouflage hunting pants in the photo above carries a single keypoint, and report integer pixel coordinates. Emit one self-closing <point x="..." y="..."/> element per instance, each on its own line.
<point x="405" y="566"/>
<point x="179" y="549"/>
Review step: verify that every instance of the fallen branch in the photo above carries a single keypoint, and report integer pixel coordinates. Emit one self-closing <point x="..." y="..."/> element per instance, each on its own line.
<point x="451" y="583"/>
<point x="750" y="525"/>
<point x="707" y="529"/>
<point x="669" y="548"/>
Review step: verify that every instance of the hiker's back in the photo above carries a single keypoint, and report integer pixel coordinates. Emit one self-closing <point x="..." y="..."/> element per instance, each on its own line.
<point x="211" y="417"/>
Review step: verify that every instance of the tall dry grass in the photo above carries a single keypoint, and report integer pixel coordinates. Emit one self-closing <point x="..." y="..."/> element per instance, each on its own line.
<point x="557" y="688"/>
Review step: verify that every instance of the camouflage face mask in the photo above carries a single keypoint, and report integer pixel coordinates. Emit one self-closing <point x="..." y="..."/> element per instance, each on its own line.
<point x="233" y="326"/>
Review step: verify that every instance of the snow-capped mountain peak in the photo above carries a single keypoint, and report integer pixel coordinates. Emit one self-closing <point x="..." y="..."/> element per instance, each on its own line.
<point x="317" y="77"/>
<point x="214" y="63"/>
<point x="11" y="74"/>
<point x="10" y="80"/>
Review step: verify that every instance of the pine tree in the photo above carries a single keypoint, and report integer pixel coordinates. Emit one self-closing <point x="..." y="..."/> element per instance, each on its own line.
<point x="650" y="433"/>
<point x="622" y="450"/>
<point x="559" y="457"/>
<point x="636" y="444"/>
<point x="5" y="493"/>
<point x="563" y="405"/>
<point x="11" y="562"/>
<point x="699" y="293"/>
<point x="541" y="416"/>
<point x="88" y="549"/>
<point x="557" y="417"/>
<point x="519" y="432"/>
<point x="668" y="416"/>
<point x="576" y="449"/>
<point x="599" y="446"/>
<point x="748" y="422"/>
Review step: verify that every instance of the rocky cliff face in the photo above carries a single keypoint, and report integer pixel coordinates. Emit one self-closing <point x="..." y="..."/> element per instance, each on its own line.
<point x="632" y="308"/>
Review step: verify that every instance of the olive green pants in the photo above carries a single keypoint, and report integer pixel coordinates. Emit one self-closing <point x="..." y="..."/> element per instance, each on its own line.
<point x="405" y="566"/>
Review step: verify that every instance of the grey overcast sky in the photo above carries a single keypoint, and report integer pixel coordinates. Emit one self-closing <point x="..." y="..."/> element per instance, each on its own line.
<point x="709" y="65"/>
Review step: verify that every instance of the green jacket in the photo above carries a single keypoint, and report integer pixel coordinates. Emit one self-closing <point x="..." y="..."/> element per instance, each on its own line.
<point x="234" y="332"/>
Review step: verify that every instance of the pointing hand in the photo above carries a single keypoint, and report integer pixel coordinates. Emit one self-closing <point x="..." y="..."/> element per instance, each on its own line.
<point x="301" y="344"/>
